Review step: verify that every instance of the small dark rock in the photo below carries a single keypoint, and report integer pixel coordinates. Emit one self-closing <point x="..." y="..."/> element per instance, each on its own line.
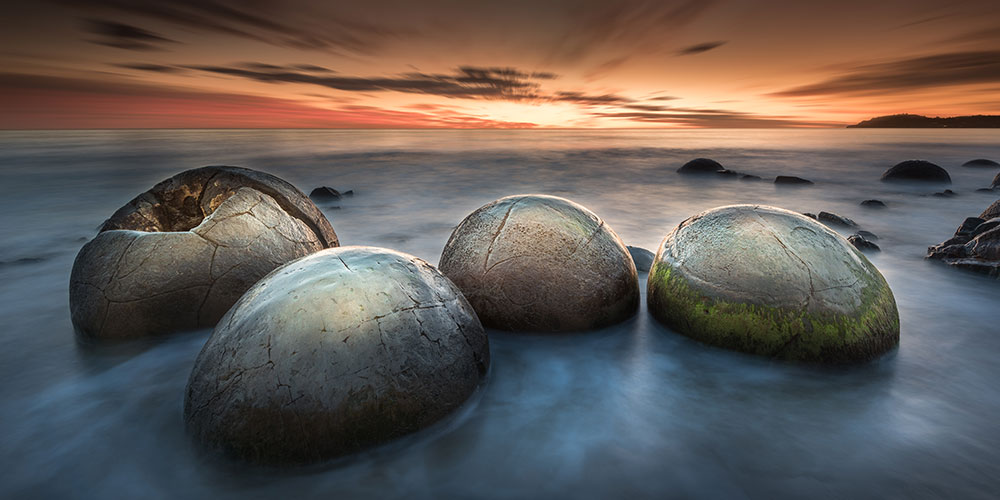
<point x="749" y="177"/>
<point x="947" y="193"/>
<point x="981" y="162"/>
<point x="832" y="218"/>
<point x="727" y="173"/>
<point x="643" y="258"/>
<point x="700" y="166"/>
<point x="325" y="193"/>
<point x="863" y="244"/>
<point x="791" y="180"/>
<point x="811" y="216"/>
<point x="916" y="171"/>
<point x="873" y="204"/>
<point x="868" y="235"/>
<point x="349" y="192"/>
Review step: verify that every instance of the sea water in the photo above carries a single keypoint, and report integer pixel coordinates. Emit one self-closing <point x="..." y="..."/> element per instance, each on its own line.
<point x="631" y="411"/>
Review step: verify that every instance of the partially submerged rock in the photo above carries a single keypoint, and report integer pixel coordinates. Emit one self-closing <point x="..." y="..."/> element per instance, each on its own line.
<point x="981" y="162"/>
<point x="750" y="177"/>
<point x="838" y="220"/>
<point x="179" y="255"/>
<point x="975" y="245"/>
<point x="338" y="351"/>
<point x="947" y="193"/>
<point x="641" y="257"/>
<point x="541" y="263"/>
<point x="916" y="171"/>
<point x="862" y="243"/>
<point x="767" y="281"/>
<point x="868" y="235"/>
<point x="873" y="204"/>
<point x="791" y="180"/>
<point x="701" y="166"/>
<point x="325" y="193"/>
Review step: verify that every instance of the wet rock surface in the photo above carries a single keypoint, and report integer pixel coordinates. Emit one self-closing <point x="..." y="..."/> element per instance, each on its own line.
<point x="338" y="351"/>
<point x="541" y="263"/>
<point x="975" y="245"/>
<point x="798" y="291"/>
<point x="701" y="166"/>
<point x="179" y="255"/>
<point x="916" y="171"/>
<point x="837" y="220"/>
<point x="862" y="243"/>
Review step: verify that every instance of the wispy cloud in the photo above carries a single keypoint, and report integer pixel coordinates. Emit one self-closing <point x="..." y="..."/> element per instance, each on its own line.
<point x="939" y="70"/>
<point x="124" y="36"/>
<point x="701" y="47"/>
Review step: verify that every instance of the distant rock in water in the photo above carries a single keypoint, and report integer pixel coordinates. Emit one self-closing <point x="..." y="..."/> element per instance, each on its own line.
<point x="325" y="193"/>
<point x="728" y="174"/>
<point x="749" y="177"/>
<point x="916" y="171"/>
<point x="918" y="121"/>
<point x="643" y="258"/>
<point x="862" y="244"/>
<point x="975" y="245"/>
<point x="873" y="204"/>
<point x="947" y="193"/>
<point x="831" y="218"/>
<point x="981" y="162"/>
<point x="791" y="180"/>
<point x="868" y="235"/>
<point x="701" y="166"/>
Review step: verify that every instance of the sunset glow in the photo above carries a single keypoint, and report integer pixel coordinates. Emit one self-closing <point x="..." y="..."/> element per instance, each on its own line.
<point x="310" y="64"/>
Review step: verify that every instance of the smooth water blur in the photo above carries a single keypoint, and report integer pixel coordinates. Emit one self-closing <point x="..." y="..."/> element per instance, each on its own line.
<point x="634" y="410"/>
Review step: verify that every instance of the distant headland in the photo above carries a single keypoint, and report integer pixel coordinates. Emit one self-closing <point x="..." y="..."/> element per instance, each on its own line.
<point x="918" y="121"/>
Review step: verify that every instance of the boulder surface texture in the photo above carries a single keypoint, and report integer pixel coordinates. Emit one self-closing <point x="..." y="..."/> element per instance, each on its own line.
<point x="541" y="263"/>
<point x="335" y="352"/>
<point x="768" y="281"/>
<point x="179" y="255"/>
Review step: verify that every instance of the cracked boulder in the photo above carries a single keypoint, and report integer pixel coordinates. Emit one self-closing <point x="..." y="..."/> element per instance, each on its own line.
<point x="179" y="255"/>
<point x="335" y="352"/>
<point x="541" y="263"/>
<point x="771" y="282"/>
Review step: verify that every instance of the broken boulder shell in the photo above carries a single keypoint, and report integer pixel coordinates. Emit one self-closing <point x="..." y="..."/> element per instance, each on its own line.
<point x="179" y="255"/>
<point x="541" y="263"/>
<point x="333" y="353"/>
<point x="768" y="281"/>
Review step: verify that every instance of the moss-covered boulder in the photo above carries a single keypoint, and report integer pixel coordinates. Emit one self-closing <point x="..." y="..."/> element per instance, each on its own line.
<point x="541" y="263"/>
<point x="332" y="353"/>
<point x="768" y="281"/>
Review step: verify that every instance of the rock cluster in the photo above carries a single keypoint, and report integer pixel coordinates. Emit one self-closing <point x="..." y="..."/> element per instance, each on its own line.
<point x="333" y="353"/>
<point x="179" y="255"/>
<point x="975" y="245"/>
<point x="797" y="290"/>
<point x="541" y="263"/>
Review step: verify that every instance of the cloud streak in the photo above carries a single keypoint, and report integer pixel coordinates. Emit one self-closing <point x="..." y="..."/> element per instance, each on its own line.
<point x="701" y="48"/>
<point x="917" y="73"/>
<point x="124" y="36"/>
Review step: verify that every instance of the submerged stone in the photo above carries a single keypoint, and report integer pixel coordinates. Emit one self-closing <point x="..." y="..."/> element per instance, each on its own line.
<point x="981" y="162"/>
<point x="701" y="166"/>
<point x="768" y="281"/>
<point x="335" y="352"/>
<point x="791" y="180"/>
<point x="541" y="263"/>
<point x="873" y="204"/>
<point x="179" y="255"/>
<point x="916" y="171"/>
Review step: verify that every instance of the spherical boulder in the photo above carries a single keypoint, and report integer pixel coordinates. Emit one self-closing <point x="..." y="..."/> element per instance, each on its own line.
<point x="916" y="171"/>
<point x="701" y="166"/>
<point x="768" y="281"/>
<point x="337" y="351"/>
<point x="541" y="263"/>
<point x="179" y="255"/>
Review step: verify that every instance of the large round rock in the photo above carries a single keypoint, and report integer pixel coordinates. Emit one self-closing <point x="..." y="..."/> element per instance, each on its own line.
<point x="337" y="351"/>
<point x="541" y="263"/>
<point x="179" y="255"/>
<point x="701" y="166"/>
<point x="916" y="171"/>
<point x="772" y="282"/>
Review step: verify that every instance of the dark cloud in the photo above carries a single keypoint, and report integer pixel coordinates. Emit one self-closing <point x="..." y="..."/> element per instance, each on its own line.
<point x="590" y="99"/>
<point x="701" y="47"/>
<point x="940" y="70"/>
<point x="263" y="23"/>
<point x="467" y="82"/>
<point x="156" y="68"/>
<point x="710" y="118"/>
<point x="124" y="36"/>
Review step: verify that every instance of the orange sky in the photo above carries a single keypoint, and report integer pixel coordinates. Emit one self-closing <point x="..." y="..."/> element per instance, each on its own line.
<point x="689" y="63"/>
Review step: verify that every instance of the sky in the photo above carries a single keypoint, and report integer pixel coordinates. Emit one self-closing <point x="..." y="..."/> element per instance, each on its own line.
<point x="493" y="64"/>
